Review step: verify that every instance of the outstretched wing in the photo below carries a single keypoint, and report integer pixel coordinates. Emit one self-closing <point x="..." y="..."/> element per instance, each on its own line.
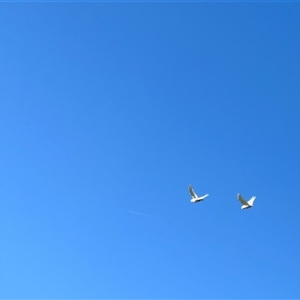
<point x="203" y="197"/>
<point x="242" y="200"/>
<point x="250" y="202"/>
<point x="191" y="191"/>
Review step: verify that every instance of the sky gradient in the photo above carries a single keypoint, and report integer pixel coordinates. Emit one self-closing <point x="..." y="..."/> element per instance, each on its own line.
<point x="110" y="110"/>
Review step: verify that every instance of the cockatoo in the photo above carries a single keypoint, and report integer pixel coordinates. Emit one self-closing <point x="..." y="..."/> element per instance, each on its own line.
<point x="246" y="204"/>
<point x="195" y="198"/>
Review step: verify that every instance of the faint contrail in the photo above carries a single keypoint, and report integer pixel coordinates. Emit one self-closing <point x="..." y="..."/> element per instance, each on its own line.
<point x="138" y="213"/>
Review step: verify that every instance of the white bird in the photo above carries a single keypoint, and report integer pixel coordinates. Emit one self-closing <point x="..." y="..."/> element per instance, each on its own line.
<point x="246" y="204"/>
<point x="195" y="197"/>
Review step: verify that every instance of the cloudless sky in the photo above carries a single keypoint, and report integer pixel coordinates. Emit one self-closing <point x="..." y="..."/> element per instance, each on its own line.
<point x="108" y="111"/>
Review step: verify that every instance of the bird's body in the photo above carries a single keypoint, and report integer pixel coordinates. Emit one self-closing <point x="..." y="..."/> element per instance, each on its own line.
<point x="246" y="204"/>
<point x="195" y="197"/>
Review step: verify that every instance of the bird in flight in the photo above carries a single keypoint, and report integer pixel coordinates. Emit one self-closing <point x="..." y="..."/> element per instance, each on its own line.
<point x="195" y="197"/>
<point x="246" y="204"/>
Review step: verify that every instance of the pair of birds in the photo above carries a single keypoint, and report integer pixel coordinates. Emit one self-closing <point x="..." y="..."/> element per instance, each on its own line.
<point x="245" y="204"/>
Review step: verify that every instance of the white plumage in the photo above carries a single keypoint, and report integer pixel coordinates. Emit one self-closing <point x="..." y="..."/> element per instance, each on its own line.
<point x="195" y="197"/>
<point x="246" y="204"/>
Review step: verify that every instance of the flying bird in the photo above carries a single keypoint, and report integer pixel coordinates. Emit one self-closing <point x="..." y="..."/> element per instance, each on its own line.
<point x="246" y="204"/>
<point x="195" y="197"/>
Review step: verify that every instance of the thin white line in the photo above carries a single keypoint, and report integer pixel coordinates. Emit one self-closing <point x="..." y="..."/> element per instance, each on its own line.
<point x="138" y="213"/>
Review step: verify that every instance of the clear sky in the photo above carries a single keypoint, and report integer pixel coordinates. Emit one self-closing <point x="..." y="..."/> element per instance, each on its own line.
<point x="110" y="110"/>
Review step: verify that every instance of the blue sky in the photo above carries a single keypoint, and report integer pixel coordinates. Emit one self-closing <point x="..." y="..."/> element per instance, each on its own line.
<point x="113" y="108"/>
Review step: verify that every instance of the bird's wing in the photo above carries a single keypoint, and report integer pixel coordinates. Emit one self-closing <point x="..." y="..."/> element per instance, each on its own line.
<point x="203" y="197"/>
<point x="250" y="202"/>
<point x="191" y="191"/>
<point x="242" y="200"/>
